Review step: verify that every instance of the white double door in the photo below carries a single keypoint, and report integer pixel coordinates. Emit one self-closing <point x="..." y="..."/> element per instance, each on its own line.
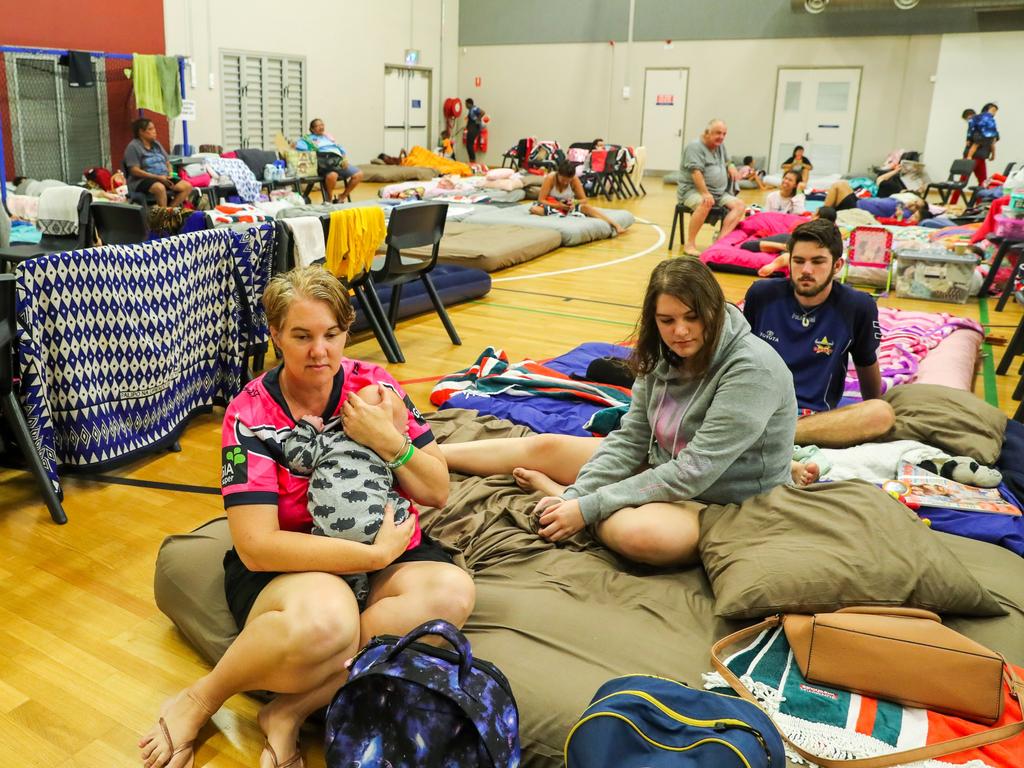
<point x="664" y="115"/>
<point x="816" y="109"/>
<point x="406" y="109"/>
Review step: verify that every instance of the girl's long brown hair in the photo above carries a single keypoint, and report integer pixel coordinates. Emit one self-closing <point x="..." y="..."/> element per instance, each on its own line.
<point x="692" y="283"/>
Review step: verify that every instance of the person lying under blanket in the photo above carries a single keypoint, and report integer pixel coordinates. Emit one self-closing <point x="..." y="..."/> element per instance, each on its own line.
<point x="561" y="194"/>
<point x="887" y="210"/>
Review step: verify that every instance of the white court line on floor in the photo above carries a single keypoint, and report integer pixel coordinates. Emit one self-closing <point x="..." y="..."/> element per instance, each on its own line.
<point x="661" y="240"/>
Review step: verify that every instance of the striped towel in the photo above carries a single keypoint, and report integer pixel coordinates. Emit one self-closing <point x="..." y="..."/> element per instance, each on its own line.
<point x="492" y="374"/>
<point x="841" y="725"/>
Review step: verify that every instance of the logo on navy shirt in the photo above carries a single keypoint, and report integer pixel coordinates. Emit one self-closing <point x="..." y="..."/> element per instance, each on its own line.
<point x="823" y="346"/>
<point x="769" y="336"/>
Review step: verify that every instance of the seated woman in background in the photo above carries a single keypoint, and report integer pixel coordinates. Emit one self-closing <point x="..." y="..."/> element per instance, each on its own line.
<point x="787" y="198"/>
<point x="797" y="162"/>
<point x="561" y="194"/>
<point x="148" y="169"/>
<point x="842" y="197"/>
<point x="331" y="161"/>
<point x="712" y="417"/>
<point x="749" y="172"/>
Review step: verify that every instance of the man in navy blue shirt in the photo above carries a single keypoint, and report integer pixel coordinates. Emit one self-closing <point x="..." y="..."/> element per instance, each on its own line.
<point x="816" y="325"/>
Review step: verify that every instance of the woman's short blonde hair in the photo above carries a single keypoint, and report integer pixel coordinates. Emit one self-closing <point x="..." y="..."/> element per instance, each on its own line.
<point x="314" y="283"/>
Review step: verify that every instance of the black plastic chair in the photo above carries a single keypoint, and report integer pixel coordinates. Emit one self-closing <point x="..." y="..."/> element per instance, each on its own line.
<point x="412" y="226"/>
<point x="956" y="182"/>
<point x="715" y="215"/>
<point x="10" y="406"/>
<point x="975" y="189"/>
<point x="120" y="223"/>
<point x="13" y="254"/>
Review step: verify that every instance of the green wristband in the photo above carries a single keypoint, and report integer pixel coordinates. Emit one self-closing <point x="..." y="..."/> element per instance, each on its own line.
<point x="404" y="457"/>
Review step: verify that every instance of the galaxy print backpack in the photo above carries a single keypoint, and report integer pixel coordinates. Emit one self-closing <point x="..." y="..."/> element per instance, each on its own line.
<point x="412" y="705"/>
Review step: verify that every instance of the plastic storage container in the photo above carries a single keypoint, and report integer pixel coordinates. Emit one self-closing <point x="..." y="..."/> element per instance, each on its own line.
<point x="934" y="275"/>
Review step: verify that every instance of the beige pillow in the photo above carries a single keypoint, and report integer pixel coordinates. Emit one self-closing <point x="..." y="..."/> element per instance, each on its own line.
<point x="956" y="421"/>
<point x="189" y="587"/>
<point x="828" y="546"/>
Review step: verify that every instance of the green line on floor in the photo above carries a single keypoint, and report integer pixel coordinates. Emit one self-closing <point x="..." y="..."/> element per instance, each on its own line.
<point x="549" y="312"/>
<point x="988" y="366"/>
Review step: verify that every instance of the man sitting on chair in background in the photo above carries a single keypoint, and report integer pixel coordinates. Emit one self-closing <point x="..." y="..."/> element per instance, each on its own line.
<point x="706" y="173"/>
<point x="816" y="324"/>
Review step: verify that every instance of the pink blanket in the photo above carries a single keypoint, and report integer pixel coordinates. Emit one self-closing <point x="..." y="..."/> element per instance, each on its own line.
<point x="907" y="337"/>
<point x="726" y="252"/>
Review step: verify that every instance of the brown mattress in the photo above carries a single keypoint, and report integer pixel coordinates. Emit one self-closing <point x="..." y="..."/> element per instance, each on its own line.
<point x="389" y="174"/>
<point x="491" y="246"/>
<point x="557" y="620"/>
<point x="560" y="621"/>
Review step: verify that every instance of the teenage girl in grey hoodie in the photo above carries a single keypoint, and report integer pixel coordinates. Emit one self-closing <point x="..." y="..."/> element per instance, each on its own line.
<point x="712" y="418"/>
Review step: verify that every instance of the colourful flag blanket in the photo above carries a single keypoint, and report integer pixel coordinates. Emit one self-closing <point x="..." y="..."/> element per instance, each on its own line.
<point x="906" y="338"/>
<point x="492" y="374"/>
<point x="841" y="725"/>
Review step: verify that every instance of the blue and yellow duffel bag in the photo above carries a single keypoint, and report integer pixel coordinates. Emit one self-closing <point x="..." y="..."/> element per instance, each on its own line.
<point x="642" y="720"/>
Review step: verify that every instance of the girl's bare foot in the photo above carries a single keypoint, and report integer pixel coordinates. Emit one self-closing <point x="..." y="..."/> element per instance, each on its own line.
<point x="168" y="742"/>
<point x="804" y="474"/>
<point x="532" y="480"/>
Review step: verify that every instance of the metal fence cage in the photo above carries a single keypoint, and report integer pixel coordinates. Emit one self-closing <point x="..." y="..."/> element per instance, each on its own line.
<point x="49" y="130"/>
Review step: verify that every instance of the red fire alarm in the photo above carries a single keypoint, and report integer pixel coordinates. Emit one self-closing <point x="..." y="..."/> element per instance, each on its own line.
<point x="476" y="81"/>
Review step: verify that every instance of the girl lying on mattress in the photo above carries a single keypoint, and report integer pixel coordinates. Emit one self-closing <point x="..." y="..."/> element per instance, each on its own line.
<point x="712" y="417"/>
<point x="561" y="194"/>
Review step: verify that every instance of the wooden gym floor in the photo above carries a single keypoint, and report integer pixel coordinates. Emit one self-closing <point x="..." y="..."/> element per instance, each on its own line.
<point x="85" y="656"/>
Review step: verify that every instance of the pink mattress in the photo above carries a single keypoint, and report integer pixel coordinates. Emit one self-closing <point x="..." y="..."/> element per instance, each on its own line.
<point x="909" y="339"/>
<point x="953" y="362"/>
<point x="726" y="254"/>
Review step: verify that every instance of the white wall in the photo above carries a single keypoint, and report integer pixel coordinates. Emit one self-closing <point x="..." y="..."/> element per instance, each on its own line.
<point x="972" y="70"/>
<point x="346" y="44"/>
<point x="573" y="92"/>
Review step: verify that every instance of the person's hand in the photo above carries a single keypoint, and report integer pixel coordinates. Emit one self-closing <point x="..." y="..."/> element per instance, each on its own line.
<point x="367" y="424"/>
<point x="393" y="539"/>
<point x="707" y="199"/>
<point x="166" y="181"/>
<point x="559" y="518"/>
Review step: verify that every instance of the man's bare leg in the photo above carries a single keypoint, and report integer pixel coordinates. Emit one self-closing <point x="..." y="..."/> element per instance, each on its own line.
<point x="852" y="425"/>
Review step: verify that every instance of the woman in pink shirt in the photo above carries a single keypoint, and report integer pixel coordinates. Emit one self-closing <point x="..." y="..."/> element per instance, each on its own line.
<point x="299" y="622"/>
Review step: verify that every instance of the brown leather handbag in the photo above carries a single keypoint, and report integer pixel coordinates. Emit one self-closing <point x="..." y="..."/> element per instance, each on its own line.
<point x="904" y="655"/>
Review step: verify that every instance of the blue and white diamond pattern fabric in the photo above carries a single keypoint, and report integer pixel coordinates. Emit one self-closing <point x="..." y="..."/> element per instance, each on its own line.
<point x="119" y="345"/>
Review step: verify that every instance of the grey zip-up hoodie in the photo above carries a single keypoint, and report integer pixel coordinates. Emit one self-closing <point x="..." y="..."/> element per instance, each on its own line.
<point x="732" y="432"/>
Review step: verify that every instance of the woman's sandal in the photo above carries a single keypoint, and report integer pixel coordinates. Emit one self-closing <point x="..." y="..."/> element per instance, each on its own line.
<point x="187" y="746"/>
<point x="295" y="761"/>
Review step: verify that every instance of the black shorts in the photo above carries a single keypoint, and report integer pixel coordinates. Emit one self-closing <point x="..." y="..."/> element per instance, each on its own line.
<point x="143" y="185"/>
<point x="848" y="202"/>
<point x="242" y="586"/>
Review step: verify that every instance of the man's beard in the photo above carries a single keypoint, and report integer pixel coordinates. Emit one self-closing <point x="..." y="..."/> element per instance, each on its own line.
<point x="811" y="289"/>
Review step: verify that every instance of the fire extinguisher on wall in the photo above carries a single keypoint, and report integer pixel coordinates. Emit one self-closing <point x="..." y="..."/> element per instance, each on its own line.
<point x="481" y="139"/>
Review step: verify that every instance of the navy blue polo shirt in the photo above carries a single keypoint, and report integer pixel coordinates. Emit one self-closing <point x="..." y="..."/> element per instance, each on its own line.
<point x="816" y="344"/>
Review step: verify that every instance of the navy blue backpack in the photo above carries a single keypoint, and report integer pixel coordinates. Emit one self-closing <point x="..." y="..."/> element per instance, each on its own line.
<point x="413" y="705"/>
<point x="642" y="720"/>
